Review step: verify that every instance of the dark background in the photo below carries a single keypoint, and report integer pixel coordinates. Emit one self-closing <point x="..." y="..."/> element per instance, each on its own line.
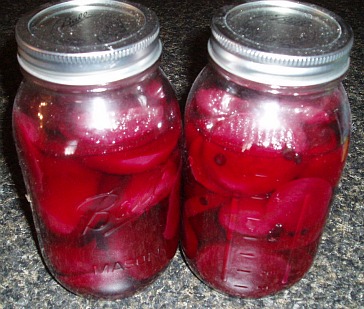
<point x="336" y="279"/>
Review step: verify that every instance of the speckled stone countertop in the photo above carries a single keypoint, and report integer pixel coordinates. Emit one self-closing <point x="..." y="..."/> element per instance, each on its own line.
<point x="336" y="279"/>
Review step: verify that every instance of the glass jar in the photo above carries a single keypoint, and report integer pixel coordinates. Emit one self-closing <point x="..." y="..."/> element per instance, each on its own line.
<point x="97" y="129"/>
<point x="267" y="128"/>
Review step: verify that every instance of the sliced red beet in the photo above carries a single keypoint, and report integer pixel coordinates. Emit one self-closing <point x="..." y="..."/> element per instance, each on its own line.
<point x="143" y="191"/>
<point x="309" y="113"/>
<point x="114" y="129"/>
<point x="203" y="201"/>
<point x="207" y="228"/>
<point x="315" y="110"/>
<point x="189" y="239"/>
<point x="171" y="230"/>
<point x="65" y="186"/>
<point x="120" y="200"/>
<point x="136" y="250"/>
<point x="199" y="223"/>
<point x="327" y="166"/>
<point x="99" y="126"/>
<point x="300" y="260"/>
<point x="240" y="269"/>
<point x="28" y="136"/>
<point x="198" y="168"/>
<point x="191" y="187"/>
<point x="250" y="172"/>
<point x="247" y="173"/>
<point x="110" y="183"/>
<point x="293" y="217"/>
<point x="331" y="103"/>
<point x="143" y="251"/>
<point x="214" y="102"/>
<point x="246" y="216"/>
<point x="136" y="160"/>
<point x="322" y="139"/>
<point x="275" y="123"/>
<point x="297" y="212"/>
<point x="240" y="153"/>
<point x="50" y="121"/>
<point x="265" y="125"/>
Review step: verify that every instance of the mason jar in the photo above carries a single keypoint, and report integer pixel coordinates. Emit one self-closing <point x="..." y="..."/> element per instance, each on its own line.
<point x="267" y="130"/>
<point x="97" y="129"/>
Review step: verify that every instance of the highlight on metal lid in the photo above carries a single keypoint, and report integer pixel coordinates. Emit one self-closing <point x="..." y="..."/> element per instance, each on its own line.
<point x="87" y="42"/>
<point x="287" y="43"/>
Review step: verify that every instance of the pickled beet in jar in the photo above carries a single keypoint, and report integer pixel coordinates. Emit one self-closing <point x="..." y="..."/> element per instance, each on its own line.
<point x="97" y="128"/>
<point x="267" y="129"/>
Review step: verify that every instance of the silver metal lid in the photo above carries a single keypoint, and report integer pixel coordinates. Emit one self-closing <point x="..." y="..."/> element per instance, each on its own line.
<point x="284" y="43"/>
<point x="85" y="42"/>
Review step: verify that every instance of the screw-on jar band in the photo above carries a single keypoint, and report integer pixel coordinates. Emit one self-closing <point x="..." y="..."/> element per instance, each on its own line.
<point x="285" y="43"/>
<point x="85" y="42"/>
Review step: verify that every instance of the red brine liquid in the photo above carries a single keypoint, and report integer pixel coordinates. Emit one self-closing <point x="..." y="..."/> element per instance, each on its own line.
<point x="103" y="172"/>
<point x="260" y="176"/>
